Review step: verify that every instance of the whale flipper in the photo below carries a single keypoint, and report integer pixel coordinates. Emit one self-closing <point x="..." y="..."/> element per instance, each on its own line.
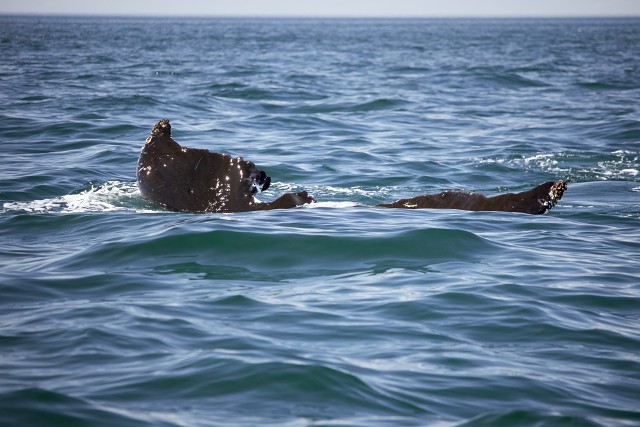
<point x="197" y="180"/>
<point x="288" y="200"/>
<point x="535" y="201"/>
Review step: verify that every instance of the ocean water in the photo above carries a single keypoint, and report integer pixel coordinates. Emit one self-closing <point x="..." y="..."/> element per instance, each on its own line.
<point x="116" y="312"/>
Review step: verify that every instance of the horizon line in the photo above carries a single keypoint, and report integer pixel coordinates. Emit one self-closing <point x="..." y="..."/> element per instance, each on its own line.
<point x="303" y="16"/>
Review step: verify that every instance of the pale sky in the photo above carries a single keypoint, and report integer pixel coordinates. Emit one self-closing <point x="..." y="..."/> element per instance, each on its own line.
<point x="346" y="8"/>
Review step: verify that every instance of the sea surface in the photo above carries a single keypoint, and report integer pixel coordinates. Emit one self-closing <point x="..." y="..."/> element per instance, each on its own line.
<point x="115" y="312"/>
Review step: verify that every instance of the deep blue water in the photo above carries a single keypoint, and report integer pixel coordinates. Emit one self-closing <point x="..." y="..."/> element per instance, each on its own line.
<point x="115" y="312"/>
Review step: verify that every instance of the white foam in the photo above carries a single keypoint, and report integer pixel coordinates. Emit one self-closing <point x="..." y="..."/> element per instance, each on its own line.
<point x="623" y="152"/>
<point x="540" y="158"/>
<point x="333" y="205"/>
<point x="621" y="164"/>
<point x="331" y="190"/>
<point x="108" y="197"/>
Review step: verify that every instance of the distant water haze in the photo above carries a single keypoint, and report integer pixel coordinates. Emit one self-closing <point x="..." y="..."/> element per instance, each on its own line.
<point x="335" y="8"/>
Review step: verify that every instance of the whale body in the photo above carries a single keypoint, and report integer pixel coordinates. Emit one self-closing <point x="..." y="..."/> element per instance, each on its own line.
<point x="199" y="181"/>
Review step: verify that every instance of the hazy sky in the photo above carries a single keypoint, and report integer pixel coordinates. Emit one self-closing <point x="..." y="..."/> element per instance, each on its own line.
<point x="415" y="8"/>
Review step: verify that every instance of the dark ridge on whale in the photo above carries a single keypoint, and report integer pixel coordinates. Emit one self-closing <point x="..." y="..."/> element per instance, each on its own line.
<point x="200" y="181"/>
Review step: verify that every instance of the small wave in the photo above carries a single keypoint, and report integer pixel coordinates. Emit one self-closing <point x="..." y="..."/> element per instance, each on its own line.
<point x="410" y="70"/>
<point x="516" y="80"/>
<point x="108" y="197"/>
<point x="576" y="166"/>
<point x="506" y="78"/>
<point x="526" y="417"/>
<point x="134" y="100"/>
<point x="380" y="104"/>
<point x="608" y="85"/>
<point x="245" y="93"/>
<point x="265" y="253"/>
<point x="547" y="162"/>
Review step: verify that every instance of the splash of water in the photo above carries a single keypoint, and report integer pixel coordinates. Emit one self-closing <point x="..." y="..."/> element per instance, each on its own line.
<point x="108" y="197"/>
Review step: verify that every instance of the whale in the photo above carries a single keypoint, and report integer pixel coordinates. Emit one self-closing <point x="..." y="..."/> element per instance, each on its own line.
<point x="197" y="180"/>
